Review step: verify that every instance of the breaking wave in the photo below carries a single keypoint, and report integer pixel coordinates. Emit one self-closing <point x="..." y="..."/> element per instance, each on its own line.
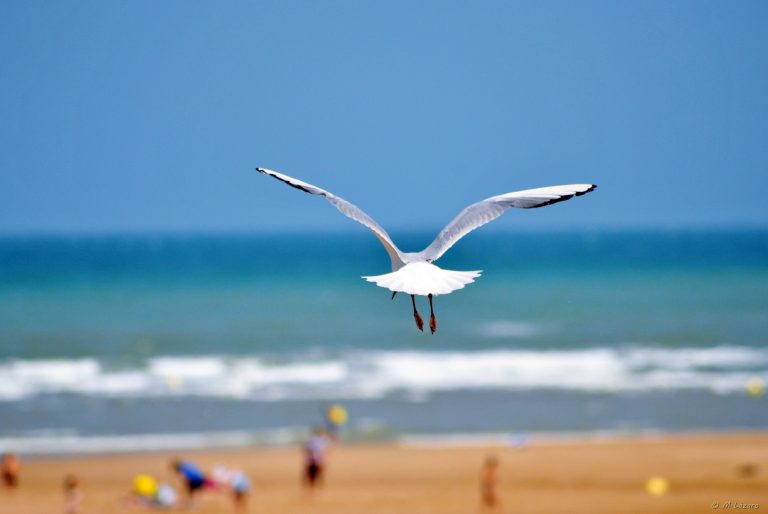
<point x="372" y="374"/>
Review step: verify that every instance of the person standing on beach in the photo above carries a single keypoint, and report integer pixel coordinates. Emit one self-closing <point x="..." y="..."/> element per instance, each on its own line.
<point x="10" y="469"/>
<point x="241" y="486"/>
<point x="315" y="450"/>
<point x="194" y="479"/>
<point x="489" y="496"/>
<point x="237" y="482"/>
<point x="73" y="494"/>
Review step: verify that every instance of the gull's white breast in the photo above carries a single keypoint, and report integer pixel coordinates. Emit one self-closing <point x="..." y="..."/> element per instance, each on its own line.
<point x="424" y="278"/>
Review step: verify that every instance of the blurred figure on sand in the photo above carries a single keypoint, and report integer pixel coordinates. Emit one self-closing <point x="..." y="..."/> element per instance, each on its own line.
<point x="315" y="450"/>
<point x="194" y="479"/>
<point x="73" y="494"/>
<point x="237" y="483"/>
<point x="489" y="496"/>
<point x="11" y="468"/>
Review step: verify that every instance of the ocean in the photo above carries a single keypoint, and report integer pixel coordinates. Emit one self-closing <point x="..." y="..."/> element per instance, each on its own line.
<point x="133" y="342"/>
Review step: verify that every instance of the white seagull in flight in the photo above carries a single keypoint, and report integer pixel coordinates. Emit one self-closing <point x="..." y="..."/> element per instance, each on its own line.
<point x="413" y="272"/>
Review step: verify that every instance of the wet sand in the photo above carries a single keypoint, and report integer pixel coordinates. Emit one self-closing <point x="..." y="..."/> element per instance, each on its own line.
<point x="564" y="476"/>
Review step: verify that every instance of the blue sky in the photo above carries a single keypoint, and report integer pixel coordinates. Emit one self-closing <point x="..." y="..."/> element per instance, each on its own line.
<point x="133" y="116"/>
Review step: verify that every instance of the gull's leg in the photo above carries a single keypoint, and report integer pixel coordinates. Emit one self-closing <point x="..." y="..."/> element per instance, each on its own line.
<point x="419" y="321"/>
<point x="432" y="320"/>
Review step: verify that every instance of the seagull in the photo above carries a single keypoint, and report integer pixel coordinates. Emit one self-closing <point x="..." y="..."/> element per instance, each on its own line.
<point x="413" y="272"/>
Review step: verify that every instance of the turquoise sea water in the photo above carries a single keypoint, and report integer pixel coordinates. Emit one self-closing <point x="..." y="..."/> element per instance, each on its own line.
<point x="108" y="336"/>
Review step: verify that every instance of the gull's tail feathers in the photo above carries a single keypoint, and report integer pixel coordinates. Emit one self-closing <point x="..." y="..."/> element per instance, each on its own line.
<point x="424" y="278"/>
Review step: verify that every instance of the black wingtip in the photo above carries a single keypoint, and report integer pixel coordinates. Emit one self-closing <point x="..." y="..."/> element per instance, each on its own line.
<point x="591" y="188"/>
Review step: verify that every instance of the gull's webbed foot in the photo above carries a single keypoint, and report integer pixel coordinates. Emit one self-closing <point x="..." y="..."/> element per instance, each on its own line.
<point x="432" y="320"/>
<point x="419" y="321"/>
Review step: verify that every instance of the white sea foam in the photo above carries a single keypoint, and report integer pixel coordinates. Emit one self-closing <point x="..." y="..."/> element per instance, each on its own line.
<point x="522" y="439"/>
<point x="372" y="374"/>
<point x="63" y="442"/>
<point x="71" y="443"/>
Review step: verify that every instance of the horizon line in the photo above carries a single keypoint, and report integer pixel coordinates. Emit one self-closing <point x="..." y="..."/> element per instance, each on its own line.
<point x="208" y="232"/>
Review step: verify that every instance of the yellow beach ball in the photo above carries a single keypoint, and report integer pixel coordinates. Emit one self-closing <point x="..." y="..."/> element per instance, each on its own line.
<point x="657" y="486"/>
<point x="756" y="387"/>
<point x="337" y="415"/>
<point x="145" y="485"/>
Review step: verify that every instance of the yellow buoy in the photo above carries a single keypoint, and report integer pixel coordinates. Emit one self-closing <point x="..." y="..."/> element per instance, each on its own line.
<point x="755" y="387"/>
<point x="337" y="415"/>
<point x="145" y="485"/>
<point x="657" y="486"/>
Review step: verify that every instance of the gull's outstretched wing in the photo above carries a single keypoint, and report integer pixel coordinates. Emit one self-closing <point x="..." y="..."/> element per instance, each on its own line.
<point x="480" y="213"/>
<point x="347" y="209"/>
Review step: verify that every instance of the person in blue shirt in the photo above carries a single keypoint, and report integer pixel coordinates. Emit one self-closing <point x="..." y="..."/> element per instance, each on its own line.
<point x="193" y="477"/>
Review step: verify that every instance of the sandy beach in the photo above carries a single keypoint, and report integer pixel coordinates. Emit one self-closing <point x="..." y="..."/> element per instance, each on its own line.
<point x="569" y="476"/>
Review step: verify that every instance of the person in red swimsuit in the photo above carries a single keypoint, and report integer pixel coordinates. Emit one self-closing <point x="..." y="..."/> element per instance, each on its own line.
<point x="10" y="470"/>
